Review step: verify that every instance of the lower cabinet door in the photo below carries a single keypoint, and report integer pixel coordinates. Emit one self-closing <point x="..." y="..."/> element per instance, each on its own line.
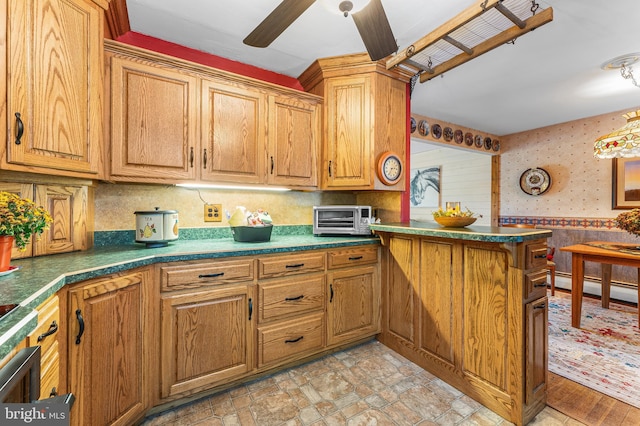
<point x="108" y="339"/>
<point x="206" y="338"/>
<point x="353" y="308"/>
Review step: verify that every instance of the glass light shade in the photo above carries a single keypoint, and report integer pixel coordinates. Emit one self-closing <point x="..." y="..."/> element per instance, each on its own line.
<point x="334" y="5"/>
<point x="622" y="143"/>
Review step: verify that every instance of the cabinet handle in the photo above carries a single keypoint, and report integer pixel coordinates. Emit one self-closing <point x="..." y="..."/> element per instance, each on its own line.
<point x="329" y="168"/>
<point x="540" y="306"/>
<point x="540" y="256"/>
<point x="272" y="164"/>
<point x="81" y="324"/>
<point x="355" y="258"/>
<point x="291" y="299"/>
<point x="20" y="127"/>
<point x="297" y="339"/>
<point x="191" y="157"/>
<point x="296" y="265"/>
<point x="52" y="329"/>
<point x="54" y="392"/>
<point x="219" y="274"/>
<point x="250" y="308"/>
<point x="330" y="293"/>
<point x="540" y="285"/>
<point x="204" y="159"/>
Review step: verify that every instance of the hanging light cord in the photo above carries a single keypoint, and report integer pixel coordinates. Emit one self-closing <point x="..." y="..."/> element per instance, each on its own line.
<point x="627" y="74"/>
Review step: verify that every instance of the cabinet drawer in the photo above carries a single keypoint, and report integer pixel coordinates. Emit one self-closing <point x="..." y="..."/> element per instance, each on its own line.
<point x="285" y="298"/>
<point x="349" y="257"/>
<point x="288" y="265"/>
<point x="46" y="332"/>
<point x="201" y="274"/>
<point x="293" y="337"/>
<point x="536" y="255"/>
<point x="535" y="284"/>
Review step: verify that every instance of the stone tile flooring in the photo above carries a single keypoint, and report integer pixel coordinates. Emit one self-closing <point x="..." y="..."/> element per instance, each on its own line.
<point x="366" y="385"/>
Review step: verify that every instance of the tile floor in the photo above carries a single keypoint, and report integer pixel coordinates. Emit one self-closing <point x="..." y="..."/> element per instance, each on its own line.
<point x="365" y="385"/>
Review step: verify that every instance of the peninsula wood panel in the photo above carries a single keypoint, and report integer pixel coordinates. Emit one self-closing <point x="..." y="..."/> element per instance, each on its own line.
<point x="402" y="292"/>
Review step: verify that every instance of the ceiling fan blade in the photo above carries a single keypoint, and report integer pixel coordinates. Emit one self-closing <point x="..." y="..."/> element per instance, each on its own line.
<point x="276" y="22"/>
<point x="374" y="28"/>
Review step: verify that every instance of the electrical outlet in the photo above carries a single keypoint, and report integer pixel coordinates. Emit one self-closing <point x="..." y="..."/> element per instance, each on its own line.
<point x="213" y="212"/>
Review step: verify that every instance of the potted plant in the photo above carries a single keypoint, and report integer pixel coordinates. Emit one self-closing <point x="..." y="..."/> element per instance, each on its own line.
<point x="20" y="218"/>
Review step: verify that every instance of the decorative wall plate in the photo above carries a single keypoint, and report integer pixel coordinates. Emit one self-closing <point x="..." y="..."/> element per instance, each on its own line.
<point x="447" y="133"/>
<point x="468" y="138"/>
<point x="457" y="136"/>
<point x="479" y="141"/>
<point x="496" y="145"/>
<point x="423" y="127"/>
<point x="413" y="124"/>
<point x="487" y="143"/>
<point x="436" y="131"/>
<point x="535" y="181"/>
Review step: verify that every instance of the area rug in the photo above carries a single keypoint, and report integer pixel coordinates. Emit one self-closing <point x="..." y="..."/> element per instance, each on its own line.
<point x="604" y="354"/>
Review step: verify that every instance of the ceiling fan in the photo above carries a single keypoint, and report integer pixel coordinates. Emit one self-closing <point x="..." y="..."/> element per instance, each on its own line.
<point x="371" y="22"/>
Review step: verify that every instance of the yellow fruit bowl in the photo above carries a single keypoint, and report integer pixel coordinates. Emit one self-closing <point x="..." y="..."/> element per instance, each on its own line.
<point x="454" y="221"/>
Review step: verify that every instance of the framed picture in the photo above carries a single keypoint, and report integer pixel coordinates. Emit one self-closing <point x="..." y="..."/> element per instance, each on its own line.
<point x="425" y="187"/>
<point x="626" y="183"/>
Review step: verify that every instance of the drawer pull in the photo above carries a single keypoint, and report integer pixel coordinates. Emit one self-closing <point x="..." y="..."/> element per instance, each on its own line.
<point x="544" y="284"/>
<point x="297" y="339"/>
<point x="296" y="265"/>
<point x="291" y="299"/>
<point x="52" y="329"/>
<point x="540" y="256"/>
<point x="54" y="392"/>
<point x="219" y="274"/>
<point x="81" y="324"/>
<point x="355" y="258"/>
<point x="540" y="306"/>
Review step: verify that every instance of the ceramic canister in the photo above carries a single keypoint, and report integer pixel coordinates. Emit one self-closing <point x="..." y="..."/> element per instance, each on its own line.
<point x="156" y="226"/>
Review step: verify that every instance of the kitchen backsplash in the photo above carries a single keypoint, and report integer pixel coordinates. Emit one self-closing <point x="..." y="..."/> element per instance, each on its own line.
<point x="115" y="204"/>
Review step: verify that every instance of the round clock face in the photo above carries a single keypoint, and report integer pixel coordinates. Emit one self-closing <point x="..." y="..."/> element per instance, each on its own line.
<point x="389" y="168"/>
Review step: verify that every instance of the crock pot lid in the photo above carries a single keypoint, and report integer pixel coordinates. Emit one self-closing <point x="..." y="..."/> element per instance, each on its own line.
<point x="156" y="211"/>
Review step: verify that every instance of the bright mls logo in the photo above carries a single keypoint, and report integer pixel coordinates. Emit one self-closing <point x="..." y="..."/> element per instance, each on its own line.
<point x="34" y="414"/>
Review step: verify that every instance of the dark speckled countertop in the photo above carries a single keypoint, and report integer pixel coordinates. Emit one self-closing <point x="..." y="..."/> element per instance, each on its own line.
<point x="471" y="233"/>
<point x="40" y="277"/>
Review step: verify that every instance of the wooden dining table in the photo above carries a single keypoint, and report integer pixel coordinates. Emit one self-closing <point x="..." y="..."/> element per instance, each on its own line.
<point x="607" y="254"/>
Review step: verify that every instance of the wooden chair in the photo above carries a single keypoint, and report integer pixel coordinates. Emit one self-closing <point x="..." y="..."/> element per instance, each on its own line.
<point x="551" y="265"/>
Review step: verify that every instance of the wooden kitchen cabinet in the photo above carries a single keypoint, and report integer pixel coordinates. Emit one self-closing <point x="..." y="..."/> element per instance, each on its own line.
<point x="293" y="142"/>
<point x="154" y="121"/>
<point x="365" y="116"/>
<point x="233" y="133"/>
<point x="173" y="121"/>
<point x="46" y="334"/>
<point x="353" y="308"/>
<point x="69" y="205"/>
<point x="472" y="313"/>
<point x="112" y="340"/>
<point x="53" y="87"/>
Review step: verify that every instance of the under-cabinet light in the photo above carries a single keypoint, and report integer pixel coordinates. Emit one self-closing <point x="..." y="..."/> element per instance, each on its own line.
<point x="233" y="187"/>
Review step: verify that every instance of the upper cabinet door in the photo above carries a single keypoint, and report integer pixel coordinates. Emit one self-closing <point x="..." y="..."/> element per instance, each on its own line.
<point x="294" y="129"/>
<point x="54" y="86"/>
<point x="348" y="157"/>
<point x="154" y="122"/>
<point x="233" y="133"/>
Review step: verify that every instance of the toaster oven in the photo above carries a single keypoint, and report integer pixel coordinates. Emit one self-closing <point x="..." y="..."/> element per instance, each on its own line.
<point x="341" y="220"/>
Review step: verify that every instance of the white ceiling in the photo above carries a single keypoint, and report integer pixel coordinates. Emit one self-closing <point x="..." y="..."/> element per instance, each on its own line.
<point x="551" y="75"/>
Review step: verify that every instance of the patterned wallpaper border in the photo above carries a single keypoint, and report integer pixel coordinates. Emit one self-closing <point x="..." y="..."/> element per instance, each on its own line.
<point x="601" y="224"/>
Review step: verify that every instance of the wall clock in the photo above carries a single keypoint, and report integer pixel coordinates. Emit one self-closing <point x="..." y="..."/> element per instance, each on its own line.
<point x="389" y="168"/>
<point x="535" y="181"/>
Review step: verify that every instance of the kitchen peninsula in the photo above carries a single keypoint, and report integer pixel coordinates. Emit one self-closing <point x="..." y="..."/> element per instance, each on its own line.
<point x="469" y="305"/>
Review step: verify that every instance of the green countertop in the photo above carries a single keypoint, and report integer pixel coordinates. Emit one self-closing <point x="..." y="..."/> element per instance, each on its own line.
<point x="471" y="233"/>
<point x="40" y="277"/>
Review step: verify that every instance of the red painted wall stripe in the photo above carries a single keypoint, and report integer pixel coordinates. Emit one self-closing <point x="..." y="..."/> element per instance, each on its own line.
<point x="161" y="46"/>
